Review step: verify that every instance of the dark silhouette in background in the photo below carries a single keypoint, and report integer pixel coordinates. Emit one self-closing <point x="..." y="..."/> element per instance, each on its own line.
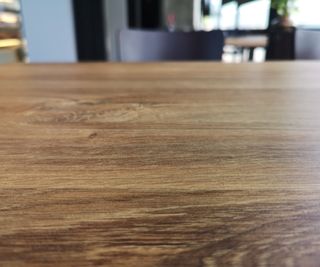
<point x="140" y="45"/>
<point x="90" y="30"/>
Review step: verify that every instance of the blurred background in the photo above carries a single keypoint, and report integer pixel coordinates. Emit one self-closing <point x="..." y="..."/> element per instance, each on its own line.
<point x="51" y="31"/>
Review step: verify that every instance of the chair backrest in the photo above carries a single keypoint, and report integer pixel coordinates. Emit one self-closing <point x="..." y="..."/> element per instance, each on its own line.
<point x="307" y="44"/>
<point x="138" y="45"/>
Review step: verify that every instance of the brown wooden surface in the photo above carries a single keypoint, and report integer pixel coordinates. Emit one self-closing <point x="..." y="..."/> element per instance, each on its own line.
<point x="184" y="164"/>
<point x="250" y="41"/>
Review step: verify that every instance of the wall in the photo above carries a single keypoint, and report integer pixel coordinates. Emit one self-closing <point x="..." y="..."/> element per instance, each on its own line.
<point x="49" y="30"/>
<point x="116" y="13"/>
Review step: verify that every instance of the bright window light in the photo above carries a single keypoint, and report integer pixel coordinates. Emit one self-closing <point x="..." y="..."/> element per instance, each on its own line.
<point x="307" y="13"/>
<point x="254" y="15"/>
<point x="228" y="16"/>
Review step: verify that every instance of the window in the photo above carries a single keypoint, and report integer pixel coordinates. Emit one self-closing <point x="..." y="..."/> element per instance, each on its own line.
<point x="307" y="13"/>
<point x="228" y="15"/>
<point x="228" y="18"/>
<point x="254" y="15"/>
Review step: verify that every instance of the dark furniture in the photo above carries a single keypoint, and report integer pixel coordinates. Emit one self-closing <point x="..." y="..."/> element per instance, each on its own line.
<point x="138" y="45"/>
<point x="307" y="44"/>
<point x="281" y="43"/>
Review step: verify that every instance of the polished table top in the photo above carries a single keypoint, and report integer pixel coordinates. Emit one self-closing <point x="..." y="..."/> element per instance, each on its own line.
<point x="173" y="164"/>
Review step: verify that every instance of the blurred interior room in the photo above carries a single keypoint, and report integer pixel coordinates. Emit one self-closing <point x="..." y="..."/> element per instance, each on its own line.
<point x="80" y="30"/>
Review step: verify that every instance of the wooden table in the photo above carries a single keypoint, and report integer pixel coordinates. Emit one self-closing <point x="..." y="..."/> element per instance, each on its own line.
<point x="190" y="164"/>
<point x="249" y="42"/>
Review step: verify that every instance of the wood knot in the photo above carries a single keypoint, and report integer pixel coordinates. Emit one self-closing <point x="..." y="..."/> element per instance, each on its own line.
<point x="93" y="135"/>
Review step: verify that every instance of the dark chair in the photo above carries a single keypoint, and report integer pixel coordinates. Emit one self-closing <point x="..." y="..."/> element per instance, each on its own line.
<point x="281" y="43"/>
<point x="138" y="45"/>
<point x="307" y="44"/>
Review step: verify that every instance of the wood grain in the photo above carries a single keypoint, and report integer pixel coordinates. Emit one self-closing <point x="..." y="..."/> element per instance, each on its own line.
<point x="173" y="164"/>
